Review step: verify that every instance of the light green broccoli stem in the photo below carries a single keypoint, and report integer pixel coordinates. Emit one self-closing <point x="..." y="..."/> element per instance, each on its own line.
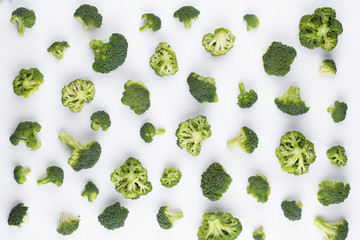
<point x="70" y="142"/>
<point x="43" y="180"/>
<point x="241" y="87"/>
<point x="331" y="109"/>
<point x="21" y="28"/>
<point x="144" y="27"/>
<point x="174" y="216"/>
<point x="326" y="227"/>
<point x="292" y="92"/>
<point x="159" y="131"/>
<point x="217" y="228"/>
<point x="235" y="143"/>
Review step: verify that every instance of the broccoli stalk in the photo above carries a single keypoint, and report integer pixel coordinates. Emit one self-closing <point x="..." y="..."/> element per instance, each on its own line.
<point x="332" y="231"/>
<point x="246" y="99"/>
<point x="20" y="174"/>
<point x="18" y="215"/>
<point x="247" y="140"/>
<point x="148" y="131"/>
<point x="113" y="216"/>
<point x="152" y="22"/>
<point x="218" y="43"/>
<point x="27" y="132"/>
<point x="90" y="191"/>
<point x="203" y="89"/>
<point x="164" y="60"/>
<point x="291" y="103"/>
<point x="57" y="49"/>
<point x="186" y="14"/>
<point x="28" y="82"/>
<point x="338" y="112"/>
<point x="54" y="175"/>
<point x="67" y="225"/>
<point x="24" y="17"/>
<point x="166" y="218"/>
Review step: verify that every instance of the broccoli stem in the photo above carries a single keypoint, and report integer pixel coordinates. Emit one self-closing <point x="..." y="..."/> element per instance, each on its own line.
<point x="70" y="142"/>
<point x="242" y="88"/>
<point x="159" y="131"/>
<point x="331" y="109"/>
<point x="43" y="180"/>
<point x="144" y="27"/>
<point x="234" y="143"/>
<point x="21" y="28"/>
<point x="326" y="227"/>
<point x="187" y="25"/>
<point x="293" y="92"/>
<point x="26" y="172"/>
<point x="174" y="216"/>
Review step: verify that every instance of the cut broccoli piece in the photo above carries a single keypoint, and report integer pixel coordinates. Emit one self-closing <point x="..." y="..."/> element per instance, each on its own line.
<point x="292" y="210"/>
<point x="113" y="216"/>
<point x="259" y="234"/>
<point x="203" y="89"/>
<point x="338" y="112"/>
<point x="27" y="82"/>
<point x="89" y="16"/>
<point x="152" y="22"/>
<point x="291" y="103"/>
<point x="218" y="43"/>
<point x="67" y="225"/>
<point x="246" y="99"/>
<point x="18" y="215"/>
<point x="20" y="174"/>
<point x="90" y="191"/>
<point x="26" y="132"/>
<point x="54" y="175"/>
<point x="24" y="17"/>
<point x="186" y="14"/>
<point x="170" y="177"/>
<point x="166" y="218"/>
<point x="327" y="67"/>
<point x="332" y="231"/>
<point x="148" y="131"/>
<point x="164" y="60"/>
<point x="337" y="155"/>
<point x="259" y="188"/>
<point x="247" y="140"/>
<point x="100" y="119"/>
<point x="137" y="96"/>
<point x="251" y="20"/>
<point x="77" y="93"/>
<point x="332" y="192"/>
<point x="57" y="49"/>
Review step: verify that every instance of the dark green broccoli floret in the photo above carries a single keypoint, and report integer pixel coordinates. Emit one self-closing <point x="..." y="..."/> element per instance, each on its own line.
<point x="20" y="174"/>
<point x="338" y="112"/>
<point x="246" y="99"/>
<point x="137" y="96"/>
<point x="26" y="132"/>
<point x="89" y="16"/>
<point x="191" y="133"/>
<point x="247" y="140"/>
<point x="251" y="20"/>
<point x="259" y="234"/>
<point x="58" y="48"/>
<point x="203" y="89"/>
<point x="27" y="82"/>
<point x="164" y="60"/>
<point x="109" y="56"/>
<point x="166" y="218"/>
<point x="82" y="156"/>
<point x="152" y="22"/>
<point x="332" y="192"/>
<point x="292" y="210"/>
<point x="90" y="191"/>
<point x="332" y="231"/>
<point x="219" y="226"/>
<point x="327" y="67"/>
<point x="18" y="215"/>
<point x="218" y="43"/>
<point x="186" y="14"/>
<point x="26" y="19"/>
<point x="320" y="29"/>
<point x="291" y="103"/>
<point x="131" y="179"/>
<point x="67" y="225"/>
<point x="77" y="93"/>
<point x="54" y="175"/>
<point x="337" y="155"/>
<point x="259" y="188"/>
<point x="100" y="119"/>
<point x="278" y="58"/>
<point x="148" y="131"/>
<point x="113" y="216"/>
<point x="171" y="176"/>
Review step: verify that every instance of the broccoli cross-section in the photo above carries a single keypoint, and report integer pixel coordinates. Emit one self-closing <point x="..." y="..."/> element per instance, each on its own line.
<point x="337" y="156"/>
<point x="27" y="82"/>
<point x="137" y="96"/>
<point x="90" y="191"/>
<point x="251" y="20"/>
<point x="259" y="234"/>
<point x="247" y="140"/>
<point x="327" y="67"/>
<point x="164" y="60"/>
<point x="292" y="210"/>
<point x="246" y="98"/>
<point x="77" y="93"/>
<point x="171" y="177"/>
<point x="203" y="89"/>
<point x="100" y="119"/>
<point x="338" y="112"/>
<point x="259" y="188"/>
<point x="57" y="49"/>
<point x="113" y="216"/>
<point x="54" y="175"/>
<point x="332" y="192"/>
<point x="67" y="225"/>
<point x="291" y="103"/>
<point x="27" y="132"/>
<point x="166" y="218"/>
<point x="186" y="14"/>
<point x="89" y="16"/>
<point x="18" y="215"/>
<point x="332" y="231"/>
<point x="152" y="22"/>
<point x="20" y="174"/>
<point x="24" y="17"/>
<point x="218" y="43"/>
<point x="148" y="131"/>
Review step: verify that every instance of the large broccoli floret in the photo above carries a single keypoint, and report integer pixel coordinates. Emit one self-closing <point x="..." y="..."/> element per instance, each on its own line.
<point x="89" y="16"/>
<point x="171" y="176"/>
<point x="164" y="60"/>
<point x="152" y="22"/>
<point x="186" y="14"/>
<point x="320" y="29"/>
<point x="26" y="132"/>
<point x="27" y="82"/>
<point x="113" y="216"/>
<point x="291" y="103"/>
<point x="259" y="234"/>
<point x="24" y="17"/>
<point x="203" y="89"/>
<point x="246" y="99"/>
<point x="67" y="225"/>
<point x="332" y="231"/>
<point x="191" y="133"/>
<point x="259" y="188"/>
<point x="332" y="192"/>
<point x="247" y="140"/>
<point x="77" y="93"/>
<point x="338" y="112"/>
<point x="251" y="20"/>
<point x="20" y="174"/>
<point x="131" y="179"/>
<point x="292" y="210"/>
<point x="327" y="67"/>
<point x="337" y="155"/>
<point x="219" y="226"/>
<point x="218" y="43"/>
<point x="54" y="175"/>
<point x="57" y="49"/>
<point x="18" y="215"/>
<point x="148" y="131"/>
<point x="90" y="191"/>
<point x="82" y="156"/>
<point x="109" y="56"/>
<point x="137" y="96"/>
<point x="166" y="218"/>
<point x="100" y="119"/>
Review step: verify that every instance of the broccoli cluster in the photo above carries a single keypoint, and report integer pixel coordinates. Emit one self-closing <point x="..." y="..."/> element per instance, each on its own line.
<point x="203" y="89"/>
<point x="246" y="98"/>
<point x="152" y="22"/>
<point x="164" y="61"/>
<point x="90" y="191"/>
<point x="27" y="132"/>
<point x="332" y="192"/>
<point x="24" y="17"/>
<point x="327" y="67"/>
<point x="100" y="119"/>
<point x="251" y="20"/>
<point x="57" y="49"/>
<point x="67" y="225"/>
<point x="292" y="210"/>
<point x="337" y="156"/>
<point x="148" y="131"/>
<point x="27" y="82"/>
<point x="77" y="93"/>
<point x="137" y="96"/>
<point x="171" y="177"/>
<point x="259" y="188"/>
<point x="291" y="103"/>
<point x="186" y="14"/>
<point x="89" y="16"/>
<point x="247" y="140"/>
<point x="20" y="174"/>
<point x="18" y="215"/>
<point x="113" y="216"/>
<point x="218" y="43"/>
<point x="338" y="112"/>
<point x="332" y="231"/>
<point x="54" y="175"/>
<point x="259" y="234"/>
<point x="166" y="218"/>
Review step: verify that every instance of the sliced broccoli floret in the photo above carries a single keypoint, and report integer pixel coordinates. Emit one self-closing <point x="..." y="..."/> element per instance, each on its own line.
<point x="54" y="175"/>
<point x="337" y="155"/>
<point x="246" y="98"/>
<point x="20" y="174"/>
<point x="338" y="112"/>
<point x="332" y="192"/>
<point x="89" y="16"/>
<point x="26" y="132"/>
<point x="247" y="140"/>
<point x="332" y="231"/>
<point x="152" y="22"/>
<point x="113" y="216"/>
<point x="77" y="93"/>
<point x="148" y="131"/>
<point x="218" y="43"/>
<point x="100" y="119"/>
<point x="171" y="176"/>
<point x="24" y="17"/>
<point x="186" y="14"/>
<point x="18" y="215"/>
<point x="251" y="20"/>
<point x="57" y="49"/>
<point x="164" y="60"/>
<point x="27" y="82"/>
<point x="166" y="218"/>
<point x="291" y="103"/>
<point x="259" y="234"/>
<point x="67" y="225"/>
<point x="259" y="188"/>
<point x="90" y="191"/>
<point x="203" y="89"/>
<point x="327" y="67"/>
<point x="292" y="210"/>
<point x="137" y="96"/>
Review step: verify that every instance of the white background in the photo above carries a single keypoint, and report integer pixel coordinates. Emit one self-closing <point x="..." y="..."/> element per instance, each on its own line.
<point x="171" y="104"/>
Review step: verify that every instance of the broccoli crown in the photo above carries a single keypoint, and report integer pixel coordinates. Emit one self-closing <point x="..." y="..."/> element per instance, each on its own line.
<point x="246" y="99"/>
<point x="82" y="156"/>
<point x="164" y="60"/>
<point x="54" y="175"/>
<point x="113" y="216"/>
<point x="259" y="188"/>
<point x="191" y="133"/>
<point x="337" y="155"/>
<point x="219" y="226"/>
<point x="186" y="14"/>
<point x="27" y="82"/>
<point x="215" y="181"/>
<point x="203" y="89"/>
<point x="338" y="112"/>
<point x="24" y="17"/>
<point x="247" y="140"/>
<point x="67" y="225"/>
<point x="332" y="231"/>
<point x="332" y="192"/>
<point x="170" y="177"/>
<point x="292" y="210"/>
<point x="148" y="130"/>
<point x="137" y="96"/>
<point x="109" y="56"/>
<point x="131" y="179"/>
<point x="295" y="153"/>
<point x="251" y="20"/>
<point x="278" y="58"/>
<point x="100" y="119"/>
<point x="58" y="48"/>
<point x="327" y="67"/>
<point x="18" y="215"/>
<point x="166" y="218"/>
<point x="291" y="103"/>
<point x="89" y="16"/>
<point x="20" y="174"/>
<point x="77" y="93"/>
<point x="218" y="43"/>
<point x="26" y="132"/>
<point x="90" y="191"/>
<point x="152" y="22"/>
<point x="320" y="29"/>
<point x="259" y="234"/>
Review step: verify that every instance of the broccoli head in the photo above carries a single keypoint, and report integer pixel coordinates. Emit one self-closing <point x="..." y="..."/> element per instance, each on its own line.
<point x="152" y="22"/>
<point x="24" y="17"/>
<point x="90" y="191"/>
<point x="251" y="20"/>
<point x="338" y="112"/>
<point x="26" y="132"/>
<point x="292" y="210"/>
<point x="82" y="156"/>
<point x="18" y="215"/>
<point x="100" y="119"/>
<point x="246" y="99"/>
<point x="89" y="16"/>
<point x="327" y="67"/>
<point x="171" y="176"/>
<point x="54" y="175"/>
<point x="259" y="234"/>
<point x="332" y="192"/>
<point x="186" y="14"/>
<point x="67" y="225"/>
<point x="332" y="231"/>
<point x="218" y="43"/>
<point x="137" y="96"/>
<point x="27" y="82"/>
<point x="77" y="93"/>
<point x="247" y="140"/>
<point x="57" y="49"/>
<point x="259" y="188"/>
<point x="20" y="174"/>
<point x="203" y="89"/>
<point x="291" y="103"/>
<point x="148" y="131"/>
<point x="166" y="218"/>
<point x="191" y="133"/>
<point x="337" y="155"/>
<point x="164" y="60"/>
<point x="113" y="216"/>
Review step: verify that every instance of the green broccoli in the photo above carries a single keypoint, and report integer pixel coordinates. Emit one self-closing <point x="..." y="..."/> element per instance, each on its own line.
<point x="278" y="58"/>
<point x="137" y="96"/>
<point x="164" y="60"/>
<point x="251" y="20"/>
<point x="320" y="29"/>
<point x="332" y="192"/>
<point x="26" y="132"/>
<point x="291" y="103"/>
<point x="166" y="218"/>
<point x="203" y="89"/>
<point x="54" y="175"/>
<point x="332" y="231"/>
<point x="148" y="131"/>
<point x="131" y="179"/>
<point x="259" y="188"/>
<point x="247" y="140"/>
<point x="259" y="234"/>
<point x="90" y="191"/>
<point x="171" y="177"/>
<point x="218" y="43"/>
<point x="109" y="56"/>
<point x="191" y="133"/>
<point x="152" y="22"/>
<point x="327" y="67"/>
<point x="20" y="174"/>
<point x="100" y="119"/>
<point x="57" y="49"/>
<point x="337" y="155"/>
<point x="246" y="99"/>
<point x="82" y="156"/>
<point x="18" y="215"/>
<point x="89" y="16"/>
<point x="292" y="210"/>
<point x="77" y="93"/>
<point x="27" y="82"/>
<point x="67" y="225"/>
<point x="338" y="112"/>
<point x="186" y="14"/>
<point x="219" y="226"/>
<point x="113" y="216"/>
<point x="24" y="17"/>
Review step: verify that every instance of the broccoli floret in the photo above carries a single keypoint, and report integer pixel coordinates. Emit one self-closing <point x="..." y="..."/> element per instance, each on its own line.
<point x="327" y="67"/>
<point x="247" y="140"/>
<point x="219" y="226"/>
<point x="186" y="14"/>
<point x="203" y="89"/>
<point x="259" y="234"/>
<point x="292" y="210"/>
<point x="291" y="103"/>
<point x="148" y="131"/>
<point x="191" y="133"/>
<point x="18" y="215"/>
<point x="89" y="16"/>
<point x="259" y="188"/>
<point x="320" y="29"/>
<point x="137" y="96"/>
<point x="67" y="225"/>
<point x="58" y="48"/>
<point x="170" y="177"/>
<point x="26" y="132"/>
<point x="338" y="112"/>
<point x="152" y="22"/>
<point x="54" y="175"/>
<point x="251" y="20"/>
<point x="27" y="82"/>
<point x="337" y="155"/>
<point x="332" y="192"/>
<point x="24" y="17"/>
<point x="20" y="174"/>
<point x="82" y="156"/>
<point x="164" y="60"/>
<point x="246" y="99"/>
<point x="77" y="93"/>
<point x="131" y="179"/>
<point x="218" y="43"/>
<point x="100" y="119"/>
<point x="109" y="56"/>
<point x="332" y="231"/>
<point x="166" y="218"/>
<point x="113" y="216"/>
<point x="90" y="191"/>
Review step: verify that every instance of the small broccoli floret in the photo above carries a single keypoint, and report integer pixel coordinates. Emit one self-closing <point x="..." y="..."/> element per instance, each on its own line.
<point x="77" y="93"/>
<point x="152" y="22"/>
<point x="113" y="216"/>
<point x="54" y="175"/>
<point x="26" y="132"/>
<point x="246" y="99"/>
<point x="251" y="20"/>
<point x="131" y="179"/>
<point x="100" y="119"/>
<point x="247" y="140"/>
<point x="291" y="103"/>
<point x="89" y="16"/>
<point x="67" y="225"/>
<point x="20" y="174"/>
<point x="90" y="191"/>
<point x="137" y="96"/>
<point x="259" y="188"/>
<point x="259" y="234"/>
<point x="24" y="17"/>
<point x="191" y="133"/>
<point x="27" y="82"/>
<point x="292" y="210"/>
<point x="218" y="43"/>
<point x="148" y="131"/>
<point x="58" y="48"/>
<point x="186" y="14"/>
<point x="203" y="89"/>
<point x="332" y="231"/>
<point x="338" y="112"/>
<point x="219" y="226"/>
<point x="164" y="60"/>
<point x="18" y="215"/>
<point x="166" y="218"/>
<point x="337" y="155"/>
<point x="332" y="192"/>
<point x="327" y="67"/>
<point x="82" y="156"/>
<point x="170" y="177"/>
